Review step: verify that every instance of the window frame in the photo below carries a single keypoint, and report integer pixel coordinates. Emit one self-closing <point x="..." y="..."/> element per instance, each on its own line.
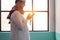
<point x="32" y="18"/>
<point x="0" y="15"/>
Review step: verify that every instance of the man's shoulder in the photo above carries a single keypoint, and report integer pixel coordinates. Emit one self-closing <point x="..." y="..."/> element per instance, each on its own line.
<point x="16" y="11"/>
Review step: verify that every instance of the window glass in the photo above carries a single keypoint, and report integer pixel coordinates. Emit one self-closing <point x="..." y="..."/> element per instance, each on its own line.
<point x="40" y="21"/>
<point x="4" y="22"/>
<point x="40" y="5"/>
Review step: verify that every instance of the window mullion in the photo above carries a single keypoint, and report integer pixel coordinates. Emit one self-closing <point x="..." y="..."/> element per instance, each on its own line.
<point x="0" y="15"/>
<point x="32" y="17"/>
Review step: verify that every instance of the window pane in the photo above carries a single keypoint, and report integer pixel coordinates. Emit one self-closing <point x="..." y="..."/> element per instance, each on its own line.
<point x="40" y="5"/>
<point x="40" y="21"/>
<point x="28" y="22"/>
<point x="28" y="5"/>
<point x="7" y="4"/>
<point x="4" y="22"/>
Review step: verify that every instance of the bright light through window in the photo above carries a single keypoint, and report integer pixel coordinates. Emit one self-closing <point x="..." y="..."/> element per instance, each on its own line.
<point x="40" y="19"/>
<point x="7" y="4"/>
<point x="28" y="5"/>
<point x="40" y="5"/>
<point x="5" y="26"/>
<point x="4" y="22"/>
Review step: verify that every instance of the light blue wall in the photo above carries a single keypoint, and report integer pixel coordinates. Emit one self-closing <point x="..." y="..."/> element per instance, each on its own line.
<point x="33" y="35"/>
<point x="57" y="36"/>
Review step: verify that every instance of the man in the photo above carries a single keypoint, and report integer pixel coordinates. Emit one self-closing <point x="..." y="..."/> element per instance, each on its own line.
<point x="19" y="30"/>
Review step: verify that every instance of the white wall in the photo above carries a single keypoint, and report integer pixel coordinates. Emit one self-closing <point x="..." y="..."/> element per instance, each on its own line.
<point x="57" y="2"/>
<point x="57" y="16"/>
<point x="51" y="15"/>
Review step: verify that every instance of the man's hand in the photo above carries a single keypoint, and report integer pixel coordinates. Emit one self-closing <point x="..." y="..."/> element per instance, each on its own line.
<point x="30" y="16"/>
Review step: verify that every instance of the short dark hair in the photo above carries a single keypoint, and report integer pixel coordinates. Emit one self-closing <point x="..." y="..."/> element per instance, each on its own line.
<point x="16" y="1"/>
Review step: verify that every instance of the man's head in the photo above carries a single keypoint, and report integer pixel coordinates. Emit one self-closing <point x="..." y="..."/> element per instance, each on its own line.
<point x="20" y="3"/>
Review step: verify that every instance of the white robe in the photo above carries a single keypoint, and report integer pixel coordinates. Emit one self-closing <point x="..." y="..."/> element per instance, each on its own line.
<point x="19" y="30"/>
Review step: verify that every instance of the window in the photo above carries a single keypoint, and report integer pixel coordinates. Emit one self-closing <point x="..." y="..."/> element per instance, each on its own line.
<point x="39" y="22"/>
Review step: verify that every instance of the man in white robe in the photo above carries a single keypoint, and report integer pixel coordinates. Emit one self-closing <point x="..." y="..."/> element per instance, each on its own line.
<point x="19" y="30"/>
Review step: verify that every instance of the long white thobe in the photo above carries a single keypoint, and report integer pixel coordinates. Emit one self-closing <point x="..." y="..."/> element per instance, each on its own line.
<point x="19" y="29"/>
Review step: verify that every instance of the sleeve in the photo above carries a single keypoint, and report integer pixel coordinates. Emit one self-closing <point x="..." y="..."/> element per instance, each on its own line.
<point x="16" y="19"/>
